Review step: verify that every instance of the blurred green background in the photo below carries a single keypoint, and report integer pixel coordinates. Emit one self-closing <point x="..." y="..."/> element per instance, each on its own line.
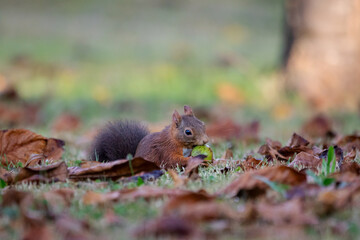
<point x="104" y="60"/>
<point x="163" y="50"/>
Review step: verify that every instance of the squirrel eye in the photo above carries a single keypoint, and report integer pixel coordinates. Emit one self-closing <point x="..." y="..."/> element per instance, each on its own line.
<point x="188" y="132"/>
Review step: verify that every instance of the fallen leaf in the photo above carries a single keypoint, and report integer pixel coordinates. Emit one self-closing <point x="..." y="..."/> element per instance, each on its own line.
<point x="62" y="196"/>
<point x="349" y="142"/>
<point x="6" y="175"/>
<point x="251" y="163"/>
<point x="273" y="149"/>
<point x="192" y="168"/>
<point x="166" y="226"/>
<point x="186" y="199"/>
<point x="113" y="169"/>
<point x="286" y="213"/>
<point x="334" y="199"/>
<point x="251" y="186"/>
<point x="38" y="232"/>
<point x="72" y="228"/>
<point x="228" y="154"/>
<point x="306" y="160"/>
<point x="95" y="198"/>
<point x="198" y="207"/>
<point x="318" y="127"/>
<point x="21" y="145"/>
<point x="144" y="176"/>
<point x="55" y="172"/>
<point x="298" y="141"/>
<point x="350" y="156"/>
<point x="229" y="130"/>
<point x="66" y="122"/>
<point x="14" y="197"/>
<point x="146" y="192"/>
<point x="178" y="180"/>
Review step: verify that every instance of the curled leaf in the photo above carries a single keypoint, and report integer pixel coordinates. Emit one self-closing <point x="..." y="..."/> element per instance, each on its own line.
<point x="21" y="145"/>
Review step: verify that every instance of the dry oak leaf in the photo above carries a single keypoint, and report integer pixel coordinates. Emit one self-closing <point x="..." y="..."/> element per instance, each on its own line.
<point x="248" y="184"/>
<point x="167" y="226"/>
<point x="55" y="172"/>
<point x="66" y="122"/>
<point x="331" y="200"/>
<point x="349" y="142"/>
<point x="199" y="207"/>
<point x="251" y="163"/>
<point x="290" y="212"/>
<point x="113" y="170"/>
<point x="145" y="192"/>
<point x="62" y="195"/>
<point x="306" y="160"/>
<point x="318" y="126"/>
<point x="273" y="150"/>
<point x="229" y="130"/>
<point x="21" y="145"/>
<point x="95" y="198"/>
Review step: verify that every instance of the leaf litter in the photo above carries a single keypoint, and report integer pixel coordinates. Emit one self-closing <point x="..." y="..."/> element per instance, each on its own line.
<point x="293" y="186"/>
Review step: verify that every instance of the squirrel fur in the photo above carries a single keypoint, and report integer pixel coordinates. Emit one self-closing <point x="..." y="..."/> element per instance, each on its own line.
<point x="164" y="148"/>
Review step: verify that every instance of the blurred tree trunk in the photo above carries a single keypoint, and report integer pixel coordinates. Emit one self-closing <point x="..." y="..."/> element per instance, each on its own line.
<point x="322" y="51"/>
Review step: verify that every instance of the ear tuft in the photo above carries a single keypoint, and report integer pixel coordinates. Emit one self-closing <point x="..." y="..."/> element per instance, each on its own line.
<point x="176" y="118"/>
<point x="188" y="111"/>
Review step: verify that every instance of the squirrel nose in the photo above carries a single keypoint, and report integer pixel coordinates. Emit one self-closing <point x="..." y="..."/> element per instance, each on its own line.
<point x="205" y="139"/>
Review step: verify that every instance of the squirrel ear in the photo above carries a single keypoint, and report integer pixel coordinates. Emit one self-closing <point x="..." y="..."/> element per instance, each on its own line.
<point x="188" y="110"/>
<point x="176" y="118"/>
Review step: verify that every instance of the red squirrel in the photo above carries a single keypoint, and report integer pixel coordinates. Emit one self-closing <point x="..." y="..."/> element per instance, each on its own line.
<point x="164" y="148"/>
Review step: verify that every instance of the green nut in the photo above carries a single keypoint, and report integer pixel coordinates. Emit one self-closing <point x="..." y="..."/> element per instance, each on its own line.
<point x="204" y="150"/>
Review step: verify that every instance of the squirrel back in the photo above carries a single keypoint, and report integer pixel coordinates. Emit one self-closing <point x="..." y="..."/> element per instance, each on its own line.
<point x="116" y="140"/>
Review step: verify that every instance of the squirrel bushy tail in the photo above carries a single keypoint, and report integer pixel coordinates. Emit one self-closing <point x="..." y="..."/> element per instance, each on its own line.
<point x="116" y="140"/>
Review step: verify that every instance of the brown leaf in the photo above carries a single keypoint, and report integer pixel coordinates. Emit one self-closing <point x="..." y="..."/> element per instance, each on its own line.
<point x="318" y="127"/>
<point x="61" y="196"/>
<point x="349" y="142"/>
<point x="298" y="141"/>
<point x="71" y="228"/>
<point x="225" y="129"/>
<point x="6" y="175"/>
<point x="178" y="180"/>
<point x="66" y="122"/>
<point x="287" y="213"/>
<point x="187" y="199"/>
<point x="95" y="198"/>
<point x="250" y="163"/>
<point x="268" y="146"/>
<point x="49" y="173"/>
<point x="273" y="150"/>
<point x="229" y="130"/>
<point x="21" y="145"/>
<point x="350" y="156"/>
<point x="306" y="160"/>
<point x="88" y="164"/>
<point x="14" y="112"/>
<point x="38" y="232"/>
<point x="146" y="192"/>
<point x="199" y="207"/>
<point x="113" y="170"/>
<point x="228" y="154"/>
<point x="166" y="226"/>
<point x="331" y="200"/>
<point x="248" y="184"/>
<point x="14" y="197"/>
<point x="192" y="168"/>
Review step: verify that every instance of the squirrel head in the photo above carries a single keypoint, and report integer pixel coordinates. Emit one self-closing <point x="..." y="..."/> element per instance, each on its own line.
<point x="187" y="129"/>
